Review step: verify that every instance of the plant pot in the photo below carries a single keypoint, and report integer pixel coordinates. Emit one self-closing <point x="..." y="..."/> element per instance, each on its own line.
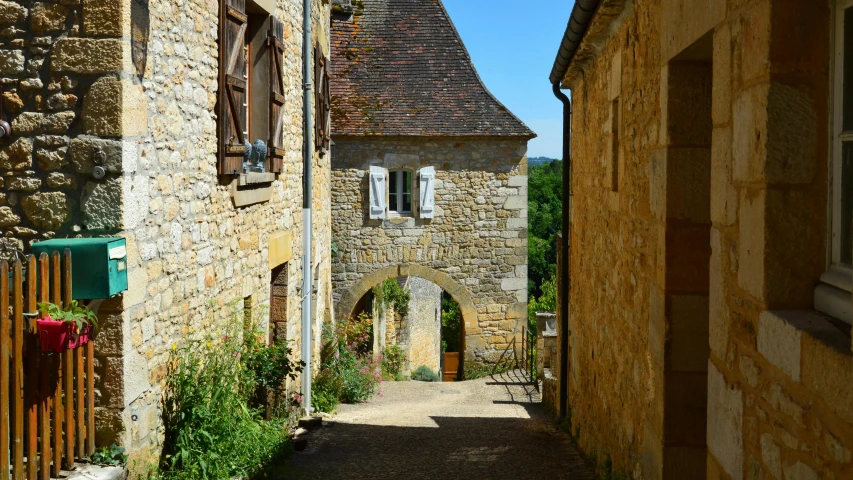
<point x="54" y="335"/>
<point x="61" y="336"/>
<point x="83" y="337"/>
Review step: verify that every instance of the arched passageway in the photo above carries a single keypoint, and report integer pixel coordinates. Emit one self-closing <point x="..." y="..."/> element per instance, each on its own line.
<point x="469" y="325"/>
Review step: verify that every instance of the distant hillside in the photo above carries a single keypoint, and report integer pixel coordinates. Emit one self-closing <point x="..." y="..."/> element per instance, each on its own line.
<point x="536" y="161"/>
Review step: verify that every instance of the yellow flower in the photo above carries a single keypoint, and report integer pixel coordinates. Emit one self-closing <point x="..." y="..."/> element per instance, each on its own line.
<point x="208" y="344"/>
<point x="174" y="346"/>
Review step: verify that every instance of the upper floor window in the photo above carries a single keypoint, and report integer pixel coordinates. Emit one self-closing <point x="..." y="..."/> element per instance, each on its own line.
<point x="400" y="192"/>
<point x="250" y="103"/>
<point x="833" y="295"/>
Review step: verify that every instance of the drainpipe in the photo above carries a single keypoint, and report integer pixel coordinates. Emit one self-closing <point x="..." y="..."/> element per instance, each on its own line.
<point x="564" y="258"/>
<point x="307" y="199"/>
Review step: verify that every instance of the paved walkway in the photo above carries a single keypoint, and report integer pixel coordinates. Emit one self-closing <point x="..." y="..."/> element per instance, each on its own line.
<point x="492" y="428"/>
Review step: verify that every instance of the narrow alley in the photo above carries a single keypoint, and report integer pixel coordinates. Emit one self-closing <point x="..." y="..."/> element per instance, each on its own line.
<point x="491" y="428"/>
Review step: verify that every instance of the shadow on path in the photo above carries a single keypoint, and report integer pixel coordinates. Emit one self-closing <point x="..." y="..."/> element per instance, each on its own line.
<point x="492" y="428"/>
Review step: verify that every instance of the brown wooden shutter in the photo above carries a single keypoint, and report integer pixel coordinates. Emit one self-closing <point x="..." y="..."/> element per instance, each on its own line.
<point x="232" y="86"/>
<point x="275" y="49"/>
<point x="322" y="101"/>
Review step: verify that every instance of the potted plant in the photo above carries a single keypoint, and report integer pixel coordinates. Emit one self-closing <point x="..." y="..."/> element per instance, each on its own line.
<point x="66" y="328"/>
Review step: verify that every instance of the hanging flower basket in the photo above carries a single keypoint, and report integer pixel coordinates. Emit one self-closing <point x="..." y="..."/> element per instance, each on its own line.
<point x="71" y="332"/>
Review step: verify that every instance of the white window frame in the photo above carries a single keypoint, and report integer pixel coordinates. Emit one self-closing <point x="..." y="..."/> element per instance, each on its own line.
<point x="399" y="188"/>
<point x="833" y="295"/>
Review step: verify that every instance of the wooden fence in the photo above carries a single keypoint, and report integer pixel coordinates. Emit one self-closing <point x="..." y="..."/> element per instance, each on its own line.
<point x="47" y="403"/>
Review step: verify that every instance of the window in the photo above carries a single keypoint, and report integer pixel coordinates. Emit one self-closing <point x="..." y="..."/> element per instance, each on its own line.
<point x="403" y="195"/>
<point x="250" y="103"/>
<point x="322" y="102"/>
<point x="833" y="295"/>
<point x="400" y="192"/>
<point x="614" y="145"/>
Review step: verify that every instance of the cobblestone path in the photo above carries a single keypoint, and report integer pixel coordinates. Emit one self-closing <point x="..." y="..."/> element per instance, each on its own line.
<point x="492" y="428"/>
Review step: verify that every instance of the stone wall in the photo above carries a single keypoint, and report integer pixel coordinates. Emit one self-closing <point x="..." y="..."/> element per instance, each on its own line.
<point x="423" y="324"/>
<point x="475" y="248"/>
<point x="47" y="73"/>
<point x="698" y="237"/>
<point x="131" y="86"/>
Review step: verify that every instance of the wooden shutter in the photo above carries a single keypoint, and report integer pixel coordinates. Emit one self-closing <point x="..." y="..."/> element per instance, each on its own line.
<point x="322" y="101"/>
<point x="275" y="49"/>
<point x="426" y="190"/>
<point x="232" y="86"/>
<point x="377" y="192"/>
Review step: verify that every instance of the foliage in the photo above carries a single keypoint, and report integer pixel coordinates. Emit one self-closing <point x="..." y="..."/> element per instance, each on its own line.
<point x="390" y="294"/>
<point x="111" y="456"/>
<point x="267" y="368"/>
<point x="545" y="205"/>
<point x="393" y="359"/>
<point x="348" y="372"/>
<point x="326" y="391"/>
<point x="80" y="315"/>
<point x="547" y="302"/>
<point x="451" y="321"/>
<point x="425" y="374"/>
<point x="212" y="429"/>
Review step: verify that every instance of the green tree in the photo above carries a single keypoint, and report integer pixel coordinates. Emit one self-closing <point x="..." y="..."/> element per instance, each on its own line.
<point x="547" y="302"/>
<point x="545" y="206"/>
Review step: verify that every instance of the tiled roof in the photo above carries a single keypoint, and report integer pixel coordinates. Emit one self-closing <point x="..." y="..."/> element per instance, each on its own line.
<point x="400" y="69"/>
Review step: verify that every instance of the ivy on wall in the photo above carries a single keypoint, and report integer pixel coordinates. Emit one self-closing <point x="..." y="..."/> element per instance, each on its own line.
<point x="390" y="294"/>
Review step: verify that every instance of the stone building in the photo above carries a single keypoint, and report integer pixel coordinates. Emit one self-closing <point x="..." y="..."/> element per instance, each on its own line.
<point x="429" y="170"/>
<point x="710" y="271"/>
<point x="130" y="118"/>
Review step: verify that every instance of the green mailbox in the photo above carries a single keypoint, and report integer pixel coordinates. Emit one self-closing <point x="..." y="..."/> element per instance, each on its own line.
<point x="98" y="265"/>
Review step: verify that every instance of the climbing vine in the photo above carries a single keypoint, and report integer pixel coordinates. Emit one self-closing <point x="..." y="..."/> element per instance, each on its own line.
<point x="390" y="294"/>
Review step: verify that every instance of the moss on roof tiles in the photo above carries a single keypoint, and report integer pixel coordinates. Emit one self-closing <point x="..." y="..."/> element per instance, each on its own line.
<point x="401" y="68"/>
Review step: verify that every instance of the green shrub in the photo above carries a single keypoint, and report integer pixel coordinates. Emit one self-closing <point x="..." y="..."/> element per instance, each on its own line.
<point x="111" y="456"/>
<point x="348" y="371"/>
<point x="326" y="391"/>
<point x="393" y="359"/>
<point x="213" y="430"/>
<point x="425" y="374"/>
<point x="267" y="368"/>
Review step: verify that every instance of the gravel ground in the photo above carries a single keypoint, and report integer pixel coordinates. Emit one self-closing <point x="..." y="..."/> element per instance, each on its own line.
<point x="491" y="428"/>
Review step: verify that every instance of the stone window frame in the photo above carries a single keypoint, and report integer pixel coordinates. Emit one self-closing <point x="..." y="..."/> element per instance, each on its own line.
<point x="833" y="295"/>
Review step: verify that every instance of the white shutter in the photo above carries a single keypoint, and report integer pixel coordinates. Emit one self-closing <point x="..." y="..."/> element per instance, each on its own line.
<point x="377" y="193"/>
<point x="426" y="189"/>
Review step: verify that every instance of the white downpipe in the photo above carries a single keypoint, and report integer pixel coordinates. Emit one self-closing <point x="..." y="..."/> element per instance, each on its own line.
<point x="307" y="227"/>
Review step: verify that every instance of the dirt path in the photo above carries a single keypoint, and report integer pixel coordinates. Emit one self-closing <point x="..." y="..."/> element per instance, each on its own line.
<point x="492" y="428"/>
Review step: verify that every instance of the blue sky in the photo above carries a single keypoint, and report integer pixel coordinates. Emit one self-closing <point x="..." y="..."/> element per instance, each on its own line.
<point x="513" y="45"/>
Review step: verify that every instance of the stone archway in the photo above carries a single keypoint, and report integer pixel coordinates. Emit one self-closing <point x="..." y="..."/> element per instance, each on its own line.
<point x="470" y="327"/>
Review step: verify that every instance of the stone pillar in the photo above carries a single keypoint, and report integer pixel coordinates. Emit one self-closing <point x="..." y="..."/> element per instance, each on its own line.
<point x="114" y="201"/>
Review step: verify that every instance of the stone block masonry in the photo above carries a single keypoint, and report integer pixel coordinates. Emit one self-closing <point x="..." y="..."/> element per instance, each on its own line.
<point x="677" y="292"/>
<point x="131" y="87"/>
<point x="475" y="247"/>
